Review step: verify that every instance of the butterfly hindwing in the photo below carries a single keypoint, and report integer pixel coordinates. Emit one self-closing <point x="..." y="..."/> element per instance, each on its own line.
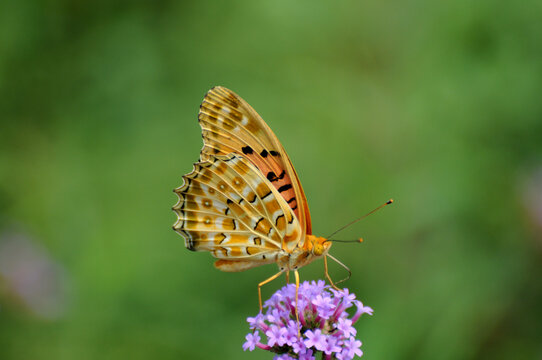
<point x="230" y="125"/>
<point x="226" y="206"/>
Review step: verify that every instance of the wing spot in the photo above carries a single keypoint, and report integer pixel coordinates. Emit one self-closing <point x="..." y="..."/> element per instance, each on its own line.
<point x="271" y="176"/>
<point x="238" y="183"/>
<point x="219" y="241"/>
<point x="253" y="198"/>
<point x="264" y="153"/>
<point x="247" y="150"/>
<point x="258" y="223"/>
<point x="274" y="153"/>
<point x="222" y="185"/>
<point x="285" y="187"/>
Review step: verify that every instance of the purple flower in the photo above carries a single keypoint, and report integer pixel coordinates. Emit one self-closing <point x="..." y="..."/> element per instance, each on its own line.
<point x="283" y="357"/>
<point x="345" y="325"/>
<point x="346" y="296"/>
<point x="324" y="323"/>
<point x="324" y="306"/>
<point x="307" y="355"/>
<point x="275" y="316"/>
<point x="256" y="321"/>
<point x="252" y="340"/>
<point x="351" y="347"/>
<point x="292" y="331"/>
<point x="276" y="335"/>
<point x="361" y="310"/>
<point x="330" y="345"/>
<point x="299" y="347"/>
<point x="315" y="339"/>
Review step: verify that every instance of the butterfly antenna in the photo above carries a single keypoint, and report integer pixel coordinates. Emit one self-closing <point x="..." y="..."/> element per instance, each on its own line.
<point x="345" y="241"/>
<point x="390" y="201"/>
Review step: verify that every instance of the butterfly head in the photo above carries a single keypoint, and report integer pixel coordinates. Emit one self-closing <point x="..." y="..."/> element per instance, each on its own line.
<point x="318" y="246"/>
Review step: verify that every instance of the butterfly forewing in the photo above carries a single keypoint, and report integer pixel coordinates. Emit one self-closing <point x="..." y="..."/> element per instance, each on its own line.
<point x="230" y="125"/>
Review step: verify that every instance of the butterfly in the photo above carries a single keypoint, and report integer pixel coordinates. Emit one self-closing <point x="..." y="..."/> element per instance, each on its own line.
<point x="243" y="201"/>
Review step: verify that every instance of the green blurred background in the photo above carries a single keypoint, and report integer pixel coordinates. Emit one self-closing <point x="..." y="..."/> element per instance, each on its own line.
<point x="436" y="104"/>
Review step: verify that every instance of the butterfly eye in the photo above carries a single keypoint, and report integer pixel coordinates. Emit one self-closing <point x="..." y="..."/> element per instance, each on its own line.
<point x="318" y="249"/>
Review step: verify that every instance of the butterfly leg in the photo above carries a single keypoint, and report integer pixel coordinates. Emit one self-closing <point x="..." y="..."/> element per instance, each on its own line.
<point x="262" y="284"/>
<point x="287" y="277"/>
<point x="296" y="301"/>
<point x="329" y="277"/>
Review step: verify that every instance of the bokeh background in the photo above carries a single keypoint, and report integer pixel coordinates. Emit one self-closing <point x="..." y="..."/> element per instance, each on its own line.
<point x="436" y="104"/>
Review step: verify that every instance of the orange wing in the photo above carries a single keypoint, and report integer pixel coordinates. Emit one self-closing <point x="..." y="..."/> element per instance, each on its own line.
<point x="230" y="125"/>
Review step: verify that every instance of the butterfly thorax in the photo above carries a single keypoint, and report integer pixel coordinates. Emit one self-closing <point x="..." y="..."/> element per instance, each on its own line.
<point x="313" y="248"/>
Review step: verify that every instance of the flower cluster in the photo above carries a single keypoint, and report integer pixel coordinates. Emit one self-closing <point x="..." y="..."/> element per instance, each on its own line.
<point x="324" y="325"/>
